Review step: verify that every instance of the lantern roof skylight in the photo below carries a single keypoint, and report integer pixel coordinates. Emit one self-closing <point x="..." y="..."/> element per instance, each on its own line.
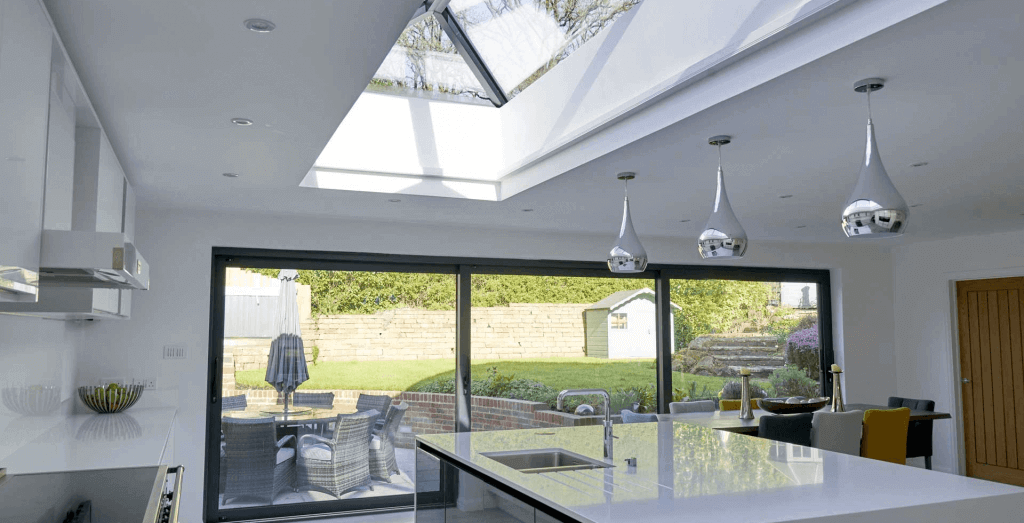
<point x="489" y="50"/>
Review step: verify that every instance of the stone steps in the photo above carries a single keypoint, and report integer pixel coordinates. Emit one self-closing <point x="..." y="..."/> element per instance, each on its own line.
<point x="730" y="349"/>
<point x="751" y="360"/>
<point x="755" y="371"/>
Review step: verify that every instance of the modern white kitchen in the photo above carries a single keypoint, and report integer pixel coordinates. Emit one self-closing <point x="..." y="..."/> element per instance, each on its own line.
<point x="149" y="150"/>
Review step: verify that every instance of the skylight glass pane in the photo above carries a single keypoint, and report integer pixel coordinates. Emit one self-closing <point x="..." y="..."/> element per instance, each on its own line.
<point x="520" y="40"/>
<point x="424" y="62"/>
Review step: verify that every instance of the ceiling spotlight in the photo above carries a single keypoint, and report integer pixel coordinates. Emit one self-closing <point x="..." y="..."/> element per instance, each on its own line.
<point x="916" y="205"/>
<point x="684" y="221"/>
<point x="875" y="209"/>
<point x="230" y="175"/>
<point x="259" y="25"/>
<point x="784" y="196"/>
<point x="241" y="121"/>
<point x="800" y="226"/>
<point x="723" y="236"/>
<point x="627" y="255"/>
<point x="394" y="200"/>
<point x="527" y="210"/>
<point x="918" y="164"/>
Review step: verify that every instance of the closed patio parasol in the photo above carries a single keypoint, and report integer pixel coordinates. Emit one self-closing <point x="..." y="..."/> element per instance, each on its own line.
<point x="286" y="365"/>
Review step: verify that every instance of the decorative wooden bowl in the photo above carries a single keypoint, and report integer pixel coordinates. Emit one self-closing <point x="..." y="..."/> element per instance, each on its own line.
<point x="112" y="398"/>
<point x="781" y="407"/>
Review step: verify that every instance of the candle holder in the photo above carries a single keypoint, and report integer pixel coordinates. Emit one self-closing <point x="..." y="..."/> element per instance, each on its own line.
<point x="837" y="392"/>
<point x="745" y="411"/>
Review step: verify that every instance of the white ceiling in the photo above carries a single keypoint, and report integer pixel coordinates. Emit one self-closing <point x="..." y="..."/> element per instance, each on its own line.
<point x="166" y="78"/>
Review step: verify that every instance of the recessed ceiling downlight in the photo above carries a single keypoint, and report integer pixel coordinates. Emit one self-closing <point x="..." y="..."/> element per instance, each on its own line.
<point x="394" y="200"/>
<point x="259" y="25"/>
<point x="230" y="175"/>
<point x="241" y="121"/>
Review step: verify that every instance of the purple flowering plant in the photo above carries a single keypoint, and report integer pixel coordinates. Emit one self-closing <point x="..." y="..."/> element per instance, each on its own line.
<point x="806" y="339"/>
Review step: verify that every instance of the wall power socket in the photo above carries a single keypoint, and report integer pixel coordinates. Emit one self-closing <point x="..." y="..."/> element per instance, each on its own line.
<point x="150" y="383"/>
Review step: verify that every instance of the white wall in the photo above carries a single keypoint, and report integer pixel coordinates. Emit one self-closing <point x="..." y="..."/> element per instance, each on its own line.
<point x="924" y="313"/>
<point x="176" y="308"/>
<point x="41" y="352"/>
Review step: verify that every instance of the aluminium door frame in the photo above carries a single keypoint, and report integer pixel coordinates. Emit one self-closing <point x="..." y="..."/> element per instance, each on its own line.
<point x="461" y="267"/>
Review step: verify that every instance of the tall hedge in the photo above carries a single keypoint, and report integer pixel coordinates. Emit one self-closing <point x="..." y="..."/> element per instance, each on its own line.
<point x="705" y="305"/>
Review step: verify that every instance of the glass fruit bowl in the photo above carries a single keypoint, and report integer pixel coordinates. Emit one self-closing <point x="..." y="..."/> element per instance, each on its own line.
<point x="110" y="398"/>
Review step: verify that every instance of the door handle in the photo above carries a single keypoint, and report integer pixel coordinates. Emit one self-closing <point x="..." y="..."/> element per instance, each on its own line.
<point x="965" y="380"/>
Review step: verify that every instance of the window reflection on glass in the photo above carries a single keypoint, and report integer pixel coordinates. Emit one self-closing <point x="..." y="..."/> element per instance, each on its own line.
<point x="520" y="40"/>
<point x="367" y="344"/>
<point x="424" y="62"/>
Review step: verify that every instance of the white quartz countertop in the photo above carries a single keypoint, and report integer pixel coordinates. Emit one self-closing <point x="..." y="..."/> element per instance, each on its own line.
<point x="134" y="438"/>
<point x="691" y="473"/>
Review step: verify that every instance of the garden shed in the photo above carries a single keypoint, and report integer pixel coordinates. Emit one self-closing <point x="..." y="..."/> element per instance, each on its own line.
<point x="623" y="326"/>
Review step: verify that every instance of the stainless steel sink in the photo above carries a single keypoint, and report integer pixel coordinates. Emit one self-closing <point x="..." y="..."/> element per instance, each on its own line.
<point x="544" y="460"/>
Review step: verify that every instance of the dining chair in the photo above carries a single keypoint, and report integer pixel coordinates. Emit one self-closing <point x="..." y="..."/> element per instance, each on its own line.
<point x="726" y="405"/>
<point x="683" y="407"/>
<point x="919" y="433"/>
<point x="233" y="403"/>
<point x="254" y="463"/>
<point x="341" y="462"/>
<point x="318" y="400"/>
<point x="885" y="435"/>
<point x="378" y="402"/>
<point x="322" y="427"/>
<point x="837" y="431"/>
<point x="787" y="428"/>
<point x="629" y="416"/>
<point x="382" y="445"/>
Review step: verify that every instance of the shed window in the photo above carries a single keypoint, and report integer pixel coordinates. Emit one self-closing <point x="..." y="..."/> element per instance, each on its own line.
<point x="618" y="320"/>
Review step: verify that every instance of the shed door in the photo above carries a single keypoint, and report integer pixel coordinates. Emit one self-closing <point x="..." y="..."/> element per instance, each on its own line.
<point x="990" y="323"/>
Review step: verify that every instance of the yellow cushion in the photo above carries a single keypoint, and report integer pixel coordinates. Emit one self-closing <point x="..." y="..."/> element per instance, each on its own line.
<point x="734" y="404"/>
<point x="885" y="435"/>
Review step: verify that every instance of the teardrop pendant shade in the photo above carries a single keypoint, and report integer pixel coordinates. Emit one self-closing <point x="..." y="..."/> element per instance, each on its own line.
<point x="627" y="255"/>
<point x="723" y="236"/>
<point x="875" y="209"/>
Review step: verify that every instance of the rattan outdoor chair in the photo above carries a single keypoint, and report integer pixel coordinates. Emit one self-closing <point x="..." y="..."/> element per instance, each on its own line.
<point x="317" y="400"/>
<point x="255" y="464"/>
<point x="323" y="427"/>
<point x="233" y="403"/>
<point x="382" y="446"/>
<point x="342" y="462"/>
<point x="380" y="403"/>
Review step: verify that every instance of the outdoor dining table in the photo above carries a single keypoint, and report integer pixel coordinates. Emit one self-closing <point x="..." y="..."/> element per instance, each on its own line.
<point x="731" y="422"/>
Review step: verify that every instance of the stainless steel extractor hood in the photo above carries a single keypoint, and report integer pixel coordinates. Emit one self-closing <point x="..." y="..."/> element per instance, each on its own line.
<point x="18" y="285"/>
<point x="104" y="260"/>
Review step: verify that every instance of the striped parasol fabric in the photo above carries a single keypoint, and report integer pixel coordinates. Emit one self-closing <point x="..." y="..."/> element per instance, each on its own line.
<point x="286" y="365"/>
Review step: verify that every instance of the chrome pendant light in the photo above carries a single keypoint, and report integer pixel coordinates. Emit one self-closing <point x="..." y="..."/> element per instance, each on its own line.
<point x="723" y="236"/>
<point x="876" y="209"/>
<point x="627" y="255"/>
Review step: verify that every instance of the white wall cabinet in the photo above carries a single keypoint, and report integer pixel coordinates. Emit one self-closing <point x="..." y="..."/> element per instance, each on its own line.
<point x="25" y="46"/>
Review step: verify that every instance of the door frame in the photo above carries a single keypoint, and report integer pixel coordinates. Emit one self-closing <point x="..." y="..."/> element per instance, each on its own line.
<point x="952" y="278"/>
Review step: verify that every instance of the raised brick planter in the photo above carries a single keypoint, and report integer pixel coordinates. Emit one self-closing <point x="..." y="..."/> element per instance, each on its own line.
<point x="431" y="413"/>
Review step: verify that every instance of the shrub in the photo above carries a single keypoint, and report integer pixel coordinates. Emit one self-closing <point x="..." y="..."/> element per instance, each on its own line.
<point x="802" y="351"/>
<point x="625" y="398"/>
<point x="806" y="322"/>
<point x="497" y="385"/>
<point x="690" y="393"/>
<point x="316" y="354"/>
<point x="733" y="390"/>
<point x="792" y="381"/>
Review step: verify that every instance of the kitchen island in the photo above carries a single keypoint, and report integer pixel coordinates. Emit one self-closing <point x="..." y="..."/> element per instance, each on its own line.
<point x="684" y="472"/>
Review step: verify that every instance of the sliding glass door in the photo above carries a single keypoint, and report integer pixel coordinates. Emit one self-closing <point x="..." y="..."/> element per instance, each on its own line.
<point x="324" y="367"/>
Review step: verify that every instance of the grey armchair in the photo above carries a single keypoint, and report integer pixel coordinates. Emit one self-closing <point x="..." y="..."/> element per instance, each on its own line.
<point x="629" y="416"/>
<point x="380" y="403"/>
<point x="318" y="400"/>
<point x="233" y="403"/>
<point x="254" y="463"/>
<point x="684" y="407"/>
<point x="341" y="462"/>
<point x="382" y="445"/>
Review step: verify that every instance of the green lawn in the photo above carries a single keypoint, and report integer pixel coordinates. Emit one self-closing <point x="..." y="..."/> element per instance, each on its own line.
<point x="557" y="373"/>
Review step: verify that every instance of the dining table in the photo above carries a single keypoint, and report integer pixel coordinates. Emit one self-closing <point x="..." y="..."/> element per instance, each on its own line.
<point x="730" y="420"/>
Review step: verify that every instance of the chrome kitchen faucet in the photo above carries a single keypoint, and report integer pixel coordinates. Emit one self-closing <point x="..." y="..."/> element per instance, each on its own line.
<point x="607" y="412"/>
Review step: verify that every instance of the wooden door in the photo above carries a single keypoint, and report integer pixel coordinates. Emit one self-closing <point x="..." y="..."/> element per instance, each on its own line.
<point x="990" y="315"/>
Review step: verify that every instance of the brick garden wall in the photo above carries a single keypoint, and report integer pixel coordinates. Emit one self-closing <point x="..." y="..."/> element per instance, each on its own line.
<point x="435" y="413"/>
<point x="520" y="330"/>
